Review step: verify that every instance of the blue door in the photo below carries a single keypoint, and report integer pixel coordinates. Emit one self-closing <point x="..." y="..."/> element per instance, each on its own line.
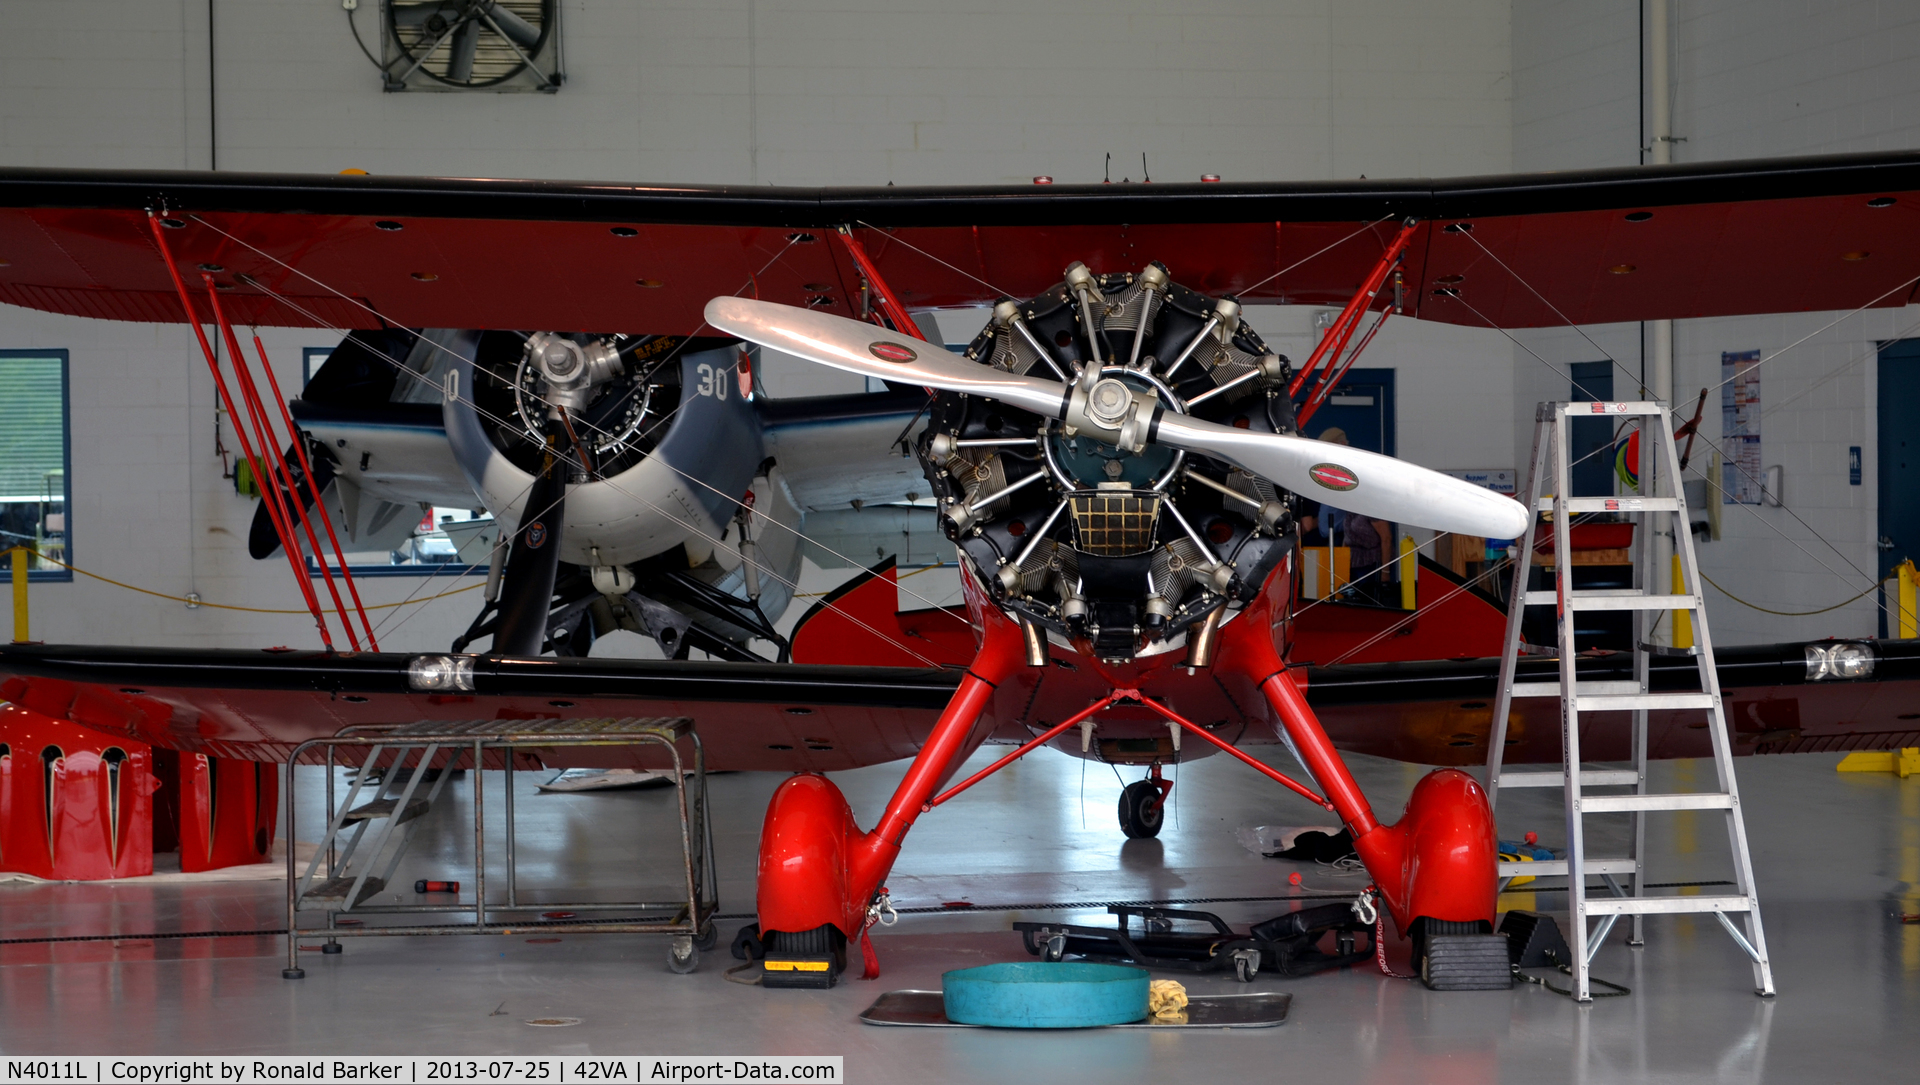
<point x="1361" y="405"/>
<point x="1590" y="440"/>
<point x="1899" y="460"/>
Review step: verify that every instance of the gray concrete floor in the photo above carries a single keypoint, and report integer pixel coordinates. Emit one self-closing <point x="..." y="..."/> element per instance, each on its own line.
<point x="1838" y="856"/>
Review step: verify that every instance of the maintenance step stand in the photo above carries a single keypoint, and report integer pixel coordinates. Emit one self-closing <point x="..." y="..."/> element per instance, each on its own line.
<point x="1659" y="509"/>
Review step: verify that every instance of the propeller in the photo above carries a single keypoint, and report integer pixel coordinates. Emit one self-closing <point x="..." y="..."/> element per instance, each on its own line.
<point x="526" y="592"/>
<point x="1364" y="483"/>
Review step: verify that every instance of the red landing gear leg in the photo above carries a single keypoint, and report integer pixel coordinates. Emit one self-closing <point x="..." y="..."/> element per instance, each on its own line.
<point x="1436" y="868"/>
<point x="818" y="872"/>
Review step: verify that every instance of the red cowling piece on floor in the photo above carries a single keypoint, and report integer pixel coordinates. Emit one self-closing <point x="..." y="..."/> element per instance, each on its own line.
<point x="224" y="809"/>
<point x="74" y="804"/>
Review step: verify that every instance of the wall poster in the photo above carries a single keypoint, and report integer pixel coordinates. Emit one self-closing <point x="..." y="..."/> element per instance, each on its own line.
<point x="1740" y="426"/>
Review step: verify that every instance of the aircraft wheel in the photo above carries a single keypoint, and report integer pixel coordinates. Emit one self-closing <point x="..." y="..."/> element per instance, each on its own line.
<point x="1141" y="811"/>
<point x="682" y="956"/>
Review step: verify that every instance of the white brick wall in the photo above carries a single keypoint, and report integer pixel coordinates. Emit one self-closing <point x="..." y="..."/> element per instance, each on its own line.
<point x="1752" y="78"/>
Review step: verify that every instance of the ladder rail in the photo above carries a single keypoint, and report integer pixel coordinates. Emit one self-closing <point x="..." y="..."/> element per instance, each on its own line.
<point x="1516" y="610"/>
<point x="1756" y="941"/>
<point x="1564" y="622"/>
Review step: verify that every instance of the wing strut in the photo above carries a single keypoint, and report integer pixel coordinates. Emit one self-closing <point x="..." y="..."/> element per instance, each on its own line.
<point x="291" y="507"/>
<point x="326" y="519"/>
<point x="884" y="298"/>
<point x="260" y="474"/>
<point x="1335" y="341"/>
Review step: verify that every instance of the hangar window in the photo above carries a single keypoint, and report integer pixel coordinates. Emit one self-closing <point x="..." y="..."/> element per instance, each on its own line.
<point x="311" y="359"/>
<point x="439" y="542"/>
<point x="34" y="497"/>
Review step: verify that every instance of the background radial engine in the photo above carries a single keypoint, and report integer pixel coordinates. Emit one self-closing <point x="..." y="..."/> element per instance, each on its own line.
<point x="1119" y="549"/>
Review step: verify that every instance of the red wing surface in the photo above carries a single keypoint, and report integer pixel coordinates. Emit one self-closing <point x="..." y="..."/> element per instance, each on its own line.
<point x="1612" y="245"/>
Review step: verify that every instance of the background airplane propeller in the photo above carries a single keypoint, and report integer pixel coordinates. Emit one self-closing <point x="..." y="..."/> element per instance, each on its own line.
<point x="1364" y="483"/>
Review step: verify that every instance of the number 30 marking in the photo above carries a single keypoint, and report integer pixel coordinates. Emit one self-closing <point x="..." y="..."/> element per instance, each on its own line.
<point x="709" y="386"/>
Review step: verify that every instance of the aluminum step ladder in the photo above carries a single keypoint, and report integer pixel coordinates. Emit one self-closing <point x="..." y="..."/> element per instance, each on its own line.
<point x="1658" y="510"/>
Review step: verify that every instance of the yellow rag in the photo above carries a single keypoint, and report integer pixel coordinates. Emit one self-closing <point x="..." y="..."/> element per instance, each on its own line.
<point x="1166" y="998"/>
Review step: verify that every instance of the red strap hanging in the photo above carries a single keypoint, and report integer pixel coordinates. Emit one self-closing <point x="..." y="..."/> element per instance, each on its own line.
<point x="280" y="527"/>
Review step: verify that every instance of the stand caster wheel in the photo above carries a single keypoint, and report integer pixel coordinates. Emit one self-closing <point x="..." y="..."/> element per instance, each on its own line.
<point x="1141" y="810"/>
<point x="331" y="948"/>
<point x="708" y="938"/>
<point x="682" y="956"/>
<point x="1246" y="964"/>
<point x="1056" y="948"/>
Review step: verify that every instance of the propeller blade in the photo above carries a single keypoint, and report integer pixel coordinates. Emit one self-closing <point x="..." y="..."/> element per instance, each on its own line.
<point x="1352" y="480"/>
<point x="872" y="351"/>
<point x="466" y="42"/>
<point x="526" y="584"/>
<point x="1365" y="483"/>
<point x="523" y="33"/>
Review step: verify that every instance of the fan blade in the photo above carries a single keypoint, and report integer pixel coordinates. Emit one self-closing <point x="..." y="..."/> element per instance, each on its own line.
<point x="873" y="351"/>
<point x="418" y="14"/>
<point x="1365" y="483"/>
<point x="1352" y="480"/>
<point x="466" y="42"/>
<point x="523" y="33"/>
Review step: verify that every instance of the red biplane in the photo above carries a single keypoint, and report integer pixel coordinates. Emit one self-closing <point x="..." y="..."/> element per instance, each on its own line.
<point x="1116" y="457"/>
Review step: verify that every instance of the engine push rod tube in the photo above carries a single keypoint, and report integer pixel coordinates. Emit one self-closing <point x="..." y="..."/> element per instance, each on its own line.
<point x="1039" y="534"/>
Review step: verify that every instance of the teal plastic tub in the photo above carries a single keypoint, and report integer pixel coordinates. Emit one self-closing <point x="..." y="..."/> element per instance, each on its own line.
<point x="1044" y="994"/>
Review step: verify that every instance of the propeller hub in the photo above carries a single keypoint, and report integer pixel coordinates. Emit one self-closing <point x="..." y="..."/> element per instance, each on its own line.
<point x="1109" y="402"/>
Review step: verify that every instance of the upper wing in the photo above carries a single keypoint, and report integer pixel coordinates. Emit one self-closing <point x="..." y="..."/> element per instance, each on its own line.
<point x="1641" y="243"/>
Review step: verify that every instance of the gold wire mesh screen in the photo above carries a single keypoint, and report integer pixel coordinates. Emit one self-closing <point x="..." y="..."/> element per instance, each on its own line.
<point x="1114" y="523"/>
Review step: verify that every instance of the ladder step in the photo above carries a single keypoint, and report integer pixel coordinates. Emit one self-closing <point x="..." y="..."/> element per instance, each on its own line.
<point x="1665" y="905"/>
<point x="383" y="808"/>
<point x="1557" y="868"/>
<point x="1613" y="804"/>
<point x="1615" y="599"/>
<point x="1614" y="504"/>
<point x="1629" y="702"/>
<point x="1552" y="689"/>
<point x="1588" y="778"/>
<point x="335" y="890"/>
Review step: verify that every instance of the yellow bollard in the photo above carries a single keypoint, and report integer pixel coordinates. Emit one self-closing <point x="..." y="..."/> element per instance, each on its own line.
<point x="1909" y="614"/>
<point x="19" y="594"/>
<point x="1682" y="620"/>
<point x="1409" y="573"/>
